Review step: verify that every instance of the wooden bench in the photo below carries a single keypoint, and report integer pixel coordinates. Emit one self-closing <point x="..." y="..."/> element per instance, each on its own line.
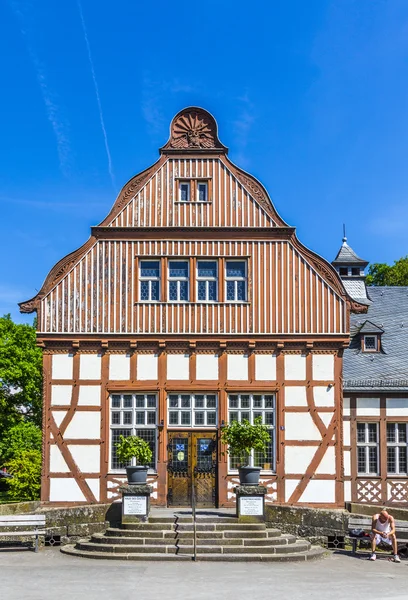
<point x="364" y="524"/>
<point x="23" y="526"/>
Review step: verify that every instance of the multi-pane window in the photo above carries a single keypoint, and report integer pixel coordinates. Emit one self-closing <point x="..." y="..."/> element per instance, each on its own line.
<point x="236" y="280"/>
<point x="397" y="448"/>
<point x="133" y="414"/>
<point x="184" y="191"/>
<point x="249" y="407"/>
<point x="202" y="191"/>
<point x="370" y="343"/>
<point x="207" y="280"/>
<point x="149" y="280"/>
<point x="178" y="280"/>
<point x="192" y="410"/>
<point x="367" y="449"/>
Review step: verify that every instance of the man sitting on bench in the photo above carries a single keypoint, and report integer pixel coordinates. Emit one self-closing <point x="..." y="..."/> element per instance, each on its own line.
<point x="383" y="530"/>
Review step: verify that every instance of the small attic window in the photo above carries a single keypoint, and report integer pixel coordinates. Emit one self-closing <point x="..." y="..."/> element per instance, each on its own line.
<point x="343" y="271"/>
<point x="370" y="343"/>
<point x="355" y="271"/>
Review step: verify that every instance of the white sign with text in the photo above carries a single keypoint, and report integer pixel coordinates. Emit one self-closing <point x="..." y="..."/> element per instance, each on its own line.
<point x="134" y="505"/>
<point x="251" y="506"/>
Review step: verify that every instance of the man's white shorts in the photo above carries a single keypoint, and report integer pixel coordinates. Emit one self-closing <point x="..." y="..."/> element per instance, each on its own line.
<point x="379" y="539"/>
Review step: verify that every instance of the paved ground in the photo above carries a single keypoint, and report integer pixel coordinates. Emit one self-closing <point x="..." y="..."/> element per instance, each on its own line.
<point x="49" y="575"/>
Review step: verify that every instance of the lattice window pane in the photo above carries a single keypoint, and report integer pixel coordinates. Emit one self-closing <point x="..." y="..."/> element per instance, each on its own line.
<point x="199" y="418"/>
<point x="151" y="401"/>
<point x="230" y="290"/>
<point x="185" y="401"/>
<point x="173" y="290"/>
<point x="115" y="401"/>
<point x="178" y="269"/>
<point x="233" y="401"/>
<point x="140" y="418"/>
<point x="360" y="432"/>
<point x="257" y="401"/>
<point x="391" y="432"/>
<point x="402" y="433"/>
<point x="144" y="290"/>
<point x="151" y="417"/>
<point x="154" y="290"/>
<point x="235" y="268"/>
<point x="245" y="401"/>
<point x="183" y="290"/>
<point x="127" y="401"/>
<point x="115" y="418"/>
<point x="372" y="432"/>
<point x="150" y="268"/>
<point x="173" y="417"/>
<point x="127" y="418"/>
<point x="361" y="459"/>
<point x="211" y="401"/>
<point x="391" y="459"/>
<point x="269" y="401"/>
<point x="202" y="295"/>
<point x="212" y="290"/>
<point x="185" y="418"/>
<point x="116" y="433"/>
<point x="402" y="460"/>
<point x="199" y="401"/>
<point x="265" y="461"/>
<point x="211" y="418"/>
<point x="173" y="401"/>
<point x="241" y="290"/>
<point x="373" y="459"/>
<point x="140" y="401"/>
<point x="207" y="269"/>
<point x="149" y="436"/>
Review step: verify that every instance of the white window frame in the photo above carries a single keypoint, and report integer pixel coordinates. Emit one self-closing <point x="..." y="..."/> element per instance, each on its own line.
<point x="367" y="445"/>
<point x="207" y="279"/>
<point x="132" y="427"/>
<point x="192" y="409"/>
<point x="188" y="185"/>
<point x="397" y="445"/>
<point x="236" y="279"/>
<point x="251" y="410"/>
<point x="149" y="279"/>
<point x="178" y="279"/>
<point x="198" y="184"/>
<point x="375" y="337"/>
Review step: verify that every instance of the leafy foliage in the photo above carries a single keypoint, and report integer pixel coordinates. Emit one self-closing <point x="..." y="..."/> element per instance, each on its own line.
<point x="26" y="471"/>
<point x="133" y="447"/>
<point x="383" y="274"/>
<point x="20" y="375"/>
<point x="21" y="437"/>
<point x="243" y="437"/>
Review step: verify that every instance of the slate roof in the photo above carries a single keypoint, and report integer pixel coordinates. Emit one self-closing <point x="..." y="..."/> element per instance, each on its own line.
<point x="356" y="288"/>
<point x="386" y="370"/>
<point x="370" y="327"/>
<point x="346" y="255"/>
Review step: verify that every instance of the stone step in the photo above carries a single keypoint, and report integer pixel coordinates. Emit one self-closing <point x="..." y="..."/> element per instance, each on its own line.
<point x="212" y="526"/>
<point x="172" y="535"/>
<point x="200" y="519"/>
<point x="100" y="538"/>
<point x="312" y="554"/>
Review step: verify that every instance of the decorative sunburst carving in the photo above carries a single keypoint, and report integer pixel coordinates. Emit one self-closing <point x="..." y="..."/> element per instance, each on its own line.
<point x="193" y="130"/>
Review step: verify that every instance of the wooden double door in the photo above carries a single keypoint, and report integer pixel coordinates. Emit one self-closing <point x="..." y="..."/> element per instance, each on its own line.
<point x="192" y="468"/>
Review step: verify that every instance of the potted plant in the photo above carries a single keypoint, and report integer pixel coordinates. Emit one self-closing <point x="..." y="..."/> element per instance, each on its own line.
<point x="133" y="447"/>
<point x="242" y="438"/>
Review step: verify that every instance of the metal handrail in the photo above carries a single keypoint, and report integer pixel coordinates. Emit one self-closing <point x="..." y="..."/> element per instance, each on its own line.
<point x="193" y="507"/>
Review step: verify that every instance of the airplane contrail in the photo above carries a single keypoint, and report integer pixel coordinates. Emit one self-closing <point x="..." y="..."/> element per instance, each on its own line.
<point x="98" y="98"/>
<point x="57" y="123"/>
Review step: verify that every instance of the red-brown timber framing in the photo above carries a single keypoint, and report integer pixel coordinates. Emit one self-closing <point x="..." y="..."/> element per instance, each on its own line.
<point x="90" y="304"/>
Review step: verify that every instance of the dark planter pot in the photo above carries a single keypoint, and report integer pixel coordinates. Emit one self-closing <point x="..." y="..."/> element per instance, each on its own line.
<point x="249" y="475"/>
<point x="137" y="474"/>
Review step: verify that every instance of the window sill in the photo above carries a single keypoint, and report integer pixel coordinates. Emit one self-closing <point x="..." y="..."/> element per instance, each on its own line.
<point x="192" y="201"/>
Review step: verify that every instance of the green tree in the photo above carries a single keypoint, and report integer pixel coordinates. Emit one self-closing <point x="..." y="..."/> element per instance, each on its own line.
<point x="23" y="436"/>
<point x="383" y="274"/>
<point x="26" y="481"/>
<point x="20" y="375"/>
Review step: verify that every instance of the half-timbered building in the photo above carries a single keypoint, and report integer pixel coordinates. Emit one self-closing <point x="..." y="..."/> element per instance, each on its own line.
<point x="191" y="304"/>
<point x="375" y="384"/>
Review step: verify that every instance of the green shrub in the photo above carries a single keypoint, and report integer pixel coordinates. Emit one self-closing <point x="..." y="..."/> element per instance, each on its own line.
<point x="243" y="437"/>
<point x="26" y="471"/>
<point x="24" y="436"/>
<point x="133" y="447"/>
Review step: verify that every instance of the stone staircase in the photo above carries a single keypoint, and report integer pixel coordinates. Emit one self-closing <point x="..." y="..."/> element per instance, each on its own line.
<point x="171" y="538"/>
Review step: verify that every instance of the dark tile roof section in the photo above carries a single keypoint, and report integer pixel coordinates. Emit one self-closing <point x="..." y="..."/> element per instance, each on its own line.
<point x="386" y="370"/>
<point x="346" y="255"/>
<point x="370" y="327"/>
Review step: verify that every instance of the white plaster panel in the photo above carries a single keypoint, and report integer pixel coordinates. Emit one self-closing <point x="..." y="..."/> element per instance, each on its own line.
<point x="65" y="490"/>
<point x="347" y="463"/>
<point x="57" y="461"/>
<point x="265" y="367"/>
<point x="327" y="465"/>
<point x="89" y="395"/>
<point x="323" y="367"/>
<point x="62" y="365"/>
<point x="147" y="367"/>
<point x="347" y="491"/>
<point x="61" y="394"/>
<point x="237" y="365"/>
<point x="58" y="416"/>
<point x="323" y="396"/>
<point x="346" y="433"/>
<point x="90" y="366"/>
<point x="368" y="407"/>
<point x="87" y="458"/>
<point x="326" y="417"/>
<point x="300" y="426"/>
<point x="290" y="485"/>
<point x="346" y="407"/>
<point x="295" y="395"/>
<point x="207" y="366"/>
<point x="397" y="407"/>
<point x="297" y="458"/>
<point x="178" y="366"/>
<point x="94" y="485"/>
<point x="295" y="367"/>
<point x="84" y="425"/>
<point x="119" y="367"/>
<point x="319" y="491"/>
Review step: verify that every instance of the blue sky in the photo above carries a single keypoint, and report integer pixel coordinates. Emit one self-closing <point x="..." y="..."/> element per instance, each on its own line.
<point x="310" y="97"/>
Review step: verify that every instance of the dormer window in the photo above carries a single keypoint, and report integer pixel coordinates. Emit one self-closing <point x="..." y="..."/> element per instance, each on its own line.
<point x="370" y="343"/>
<point x="355" y="271"/>
<point x="343" y="271"/>
<point x="184" y="191"/>
<point x="202" y="191"/>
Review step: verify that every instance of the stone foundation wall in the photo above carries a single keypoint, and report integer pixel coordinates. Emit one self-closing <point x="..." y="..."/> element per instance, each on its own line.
<point x="313" y="524"/>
